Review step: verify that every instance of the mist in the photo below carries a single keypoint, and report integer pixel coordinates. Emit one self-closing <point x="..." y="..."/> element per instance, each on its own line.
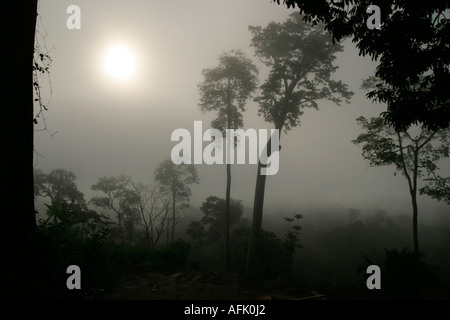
<point x="97" y="127"/>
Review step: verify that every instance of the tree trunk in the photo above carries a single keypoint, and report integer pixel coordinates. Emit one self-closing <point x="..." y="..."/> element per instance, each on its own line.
<point x="258" y="205"/>
<point x="415" y="228"/>
<point x="414" y="203"/>
<point x="18" y="225"/>
<point x="173" y="214"/>
<point x="228" y="192"/>
<point x="227" y="219"/>
<point x="412" y="184"/>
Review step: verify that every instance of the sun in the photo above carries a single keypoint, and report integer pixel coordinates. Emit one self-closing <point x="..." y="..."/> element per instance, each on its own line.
<point x="119" y="62"/>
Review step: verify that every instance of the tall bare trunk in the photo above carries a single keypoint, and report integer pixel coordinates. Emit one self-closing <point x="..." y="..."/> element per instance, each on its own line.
<point x="414" y="203"/>
<point x="227" y="219"/>
<point x="415" y="226"/>
<point x="412" y="184"/>
<point x="258" y="205"/>
<point x="228" y="194"/>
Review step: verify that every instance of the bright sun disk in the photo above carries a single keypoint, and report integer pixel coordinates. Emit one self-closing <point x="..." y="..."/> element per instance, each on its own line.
<point x="119" y="62"/>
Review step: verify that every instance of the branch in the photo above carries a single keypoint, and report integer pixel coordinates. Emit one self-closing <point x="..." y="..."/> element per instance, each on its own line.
<point x="267" y="63"/>
<point x="427" y="140"/>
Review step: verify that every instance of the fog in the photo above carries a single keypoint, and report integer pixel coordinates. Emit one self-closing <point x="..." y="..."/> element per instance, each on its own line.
<point x="99" y="128"/>
<point x="126" y="75"/>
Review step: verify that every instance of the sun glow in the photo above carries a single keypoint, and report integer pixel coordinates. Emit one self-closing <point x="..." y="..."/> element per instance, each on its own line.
<point x="119" y="62"/>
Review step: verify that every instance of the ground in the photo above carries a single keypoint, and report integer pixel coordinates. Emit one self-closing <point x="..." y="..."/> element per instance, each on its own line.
<point x="186" y="284"/>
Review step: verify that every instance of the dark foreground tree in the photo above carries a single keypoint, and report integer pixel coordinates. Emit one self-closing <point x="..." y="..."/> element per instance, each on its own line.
<point x="412" y="43"/>
<point x="176" y="180"/>
<point x="300" y="61"/>
<point x="226" y="89"/>
<point x="415" y="153"/>
<point x="18" y="226"/>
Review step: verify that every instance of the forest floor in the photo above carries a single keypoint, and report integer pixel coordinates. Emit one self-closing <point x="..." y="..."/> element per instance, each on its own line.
<point x="187" y="284"/>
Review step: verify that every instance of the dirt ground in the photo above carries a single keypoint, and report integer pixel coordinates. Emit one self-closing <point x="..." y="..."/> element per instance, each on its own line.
<point x="200" y="285"/>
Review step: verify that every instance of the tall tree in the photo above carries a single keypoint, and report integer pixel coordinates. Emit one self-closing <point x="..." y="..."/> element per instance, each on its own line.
<point x="226" y="89"/>
<point x="415" y="153"/>
<point x="412" y="42"/>
<point x="300" y="61"/>
<point x="176" y="180"/>
<point x="18" y="228"/>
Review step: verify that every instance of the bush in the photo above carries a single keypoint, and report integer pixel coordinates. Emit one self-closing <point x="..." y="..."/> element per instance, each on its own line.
<point x="175" y="256"/>
<point x="271" y="263"/>
<point x="406" y="277"/>
<point x="60" y="245"/>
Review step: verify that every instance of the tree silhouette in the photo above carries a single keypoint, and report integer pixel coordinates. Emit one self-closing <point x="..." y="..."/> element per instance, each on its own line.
<point x="225" y="89"/>
<point x="300" y="59"/>
<point x="291" y="239"/>
<point x="176" y="180"/>
<point x="67" y="207"/>
<point x="153" y="205"/>
<point x="413" y="42"/>
<point x="212" y="227"/>
<point x="117" y="197"/>
<point x="18" y="229"/>
<point x="59" y="186"/>
<point x="414" y="153"/>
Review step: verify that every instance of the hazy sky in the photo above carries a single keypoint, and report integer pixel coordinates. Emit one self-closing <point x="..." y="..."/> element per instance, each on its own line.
<point x="106" y="127"/>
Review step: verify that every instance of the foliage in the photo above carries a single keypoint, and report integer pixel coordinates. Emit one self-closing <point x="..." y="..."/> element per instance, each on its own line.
<point x="291" y="239"/>
<point x="175" y="256"/>
<point x="74" y="238"/>
<point x="404" y="277"/>
<point x="67" y="209"/>
<point x="59" y="186"/>
<point x="412" y="47"/>
<point x="121" y="199"/>
<point x="176" y="180"/>
<point x="142" y="209"/>
<point x="275" y="258"/>
<point x="338" y="256"/>
<point x="137" y="258"/>
<point x="412" y="155"/>
<point x="211" y="227"/>
<point x="438" y="188"/>
<point x="116" y="190"/>
<point x="300" y="60"/>
<point x="41" y="66"/>
<point x="226" y="88"/>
